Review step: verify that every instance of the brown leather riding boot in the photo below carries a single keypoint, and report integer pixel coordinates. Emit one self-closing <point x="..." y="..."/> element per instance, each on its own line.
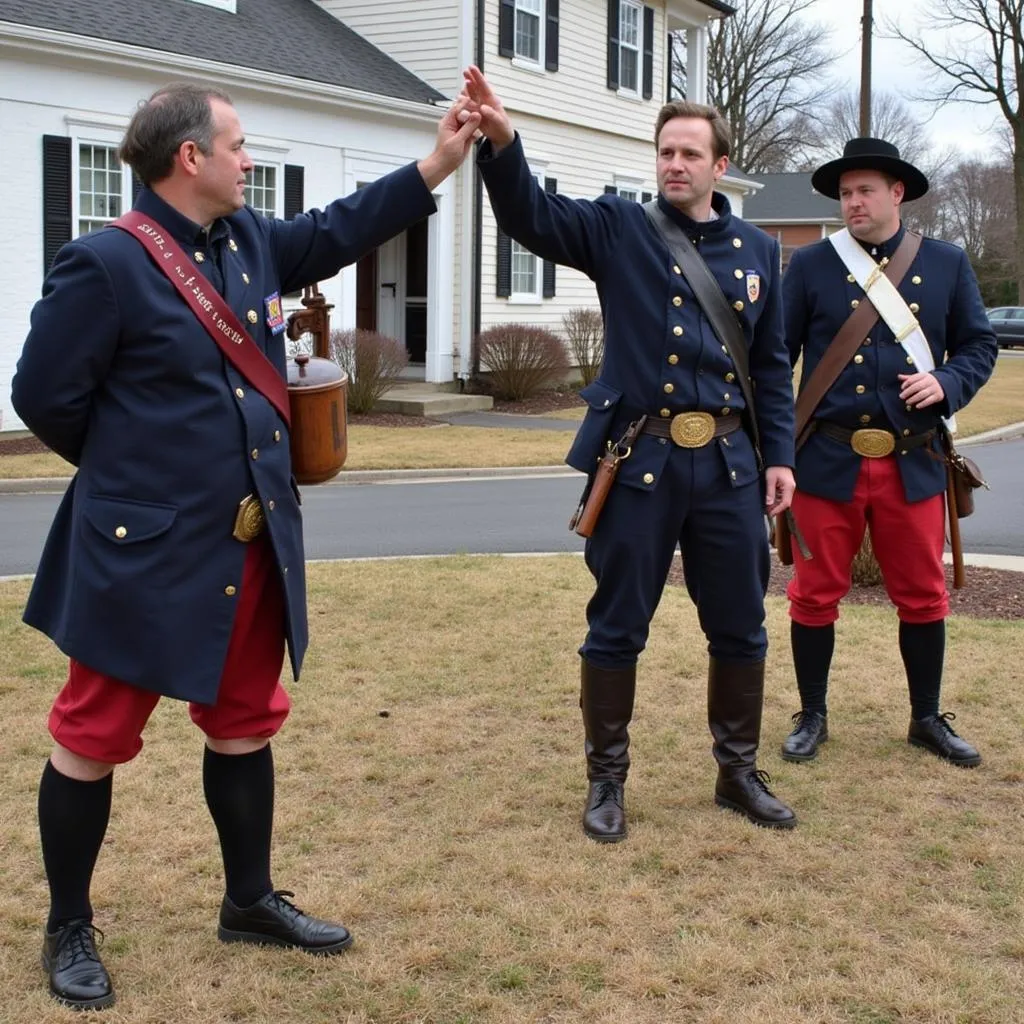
<point x="606" y="699"/>
<point x="735" y="699"/>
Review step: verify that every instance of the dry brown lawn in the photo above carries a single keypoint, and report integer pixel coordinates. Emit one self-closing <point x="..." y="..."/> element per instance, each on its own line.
<point x="430" y="786"/>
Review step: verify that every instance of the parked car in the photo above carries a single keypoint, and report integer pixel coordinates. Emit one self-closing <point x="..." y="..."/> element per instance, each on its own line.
<point x="1008" y="323"/>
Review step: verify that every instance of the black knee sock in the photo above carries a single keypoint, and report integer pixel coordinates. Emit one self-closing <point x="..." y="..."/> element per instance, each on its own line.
<point x="73" y="818"/>
<point x="923" y="647"/>
<point x="239" y="791"/>
<point x="812" y="658"/>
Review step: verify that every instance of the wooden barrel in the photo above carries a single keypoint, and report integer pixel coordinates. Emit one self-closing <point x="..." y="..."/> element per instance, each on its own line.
<point x="318" y="397"/>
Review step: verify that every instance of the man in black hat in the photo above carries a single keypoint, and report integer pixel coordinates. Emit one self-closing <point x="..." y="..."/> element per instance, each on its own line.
<point x="889" y="384"/>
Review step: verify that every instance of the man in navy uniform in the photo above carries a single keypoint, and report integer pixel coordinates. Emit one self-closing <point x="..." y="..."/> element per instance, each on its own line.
<point x="894" y="392"/>
<point x="142" y="581"/>
<point x="663" y="360"/>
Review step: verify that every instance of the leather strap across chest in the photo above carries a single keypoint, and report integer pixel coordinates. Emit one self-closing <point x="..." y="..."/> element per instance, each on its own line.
<point x="210" y="308"/>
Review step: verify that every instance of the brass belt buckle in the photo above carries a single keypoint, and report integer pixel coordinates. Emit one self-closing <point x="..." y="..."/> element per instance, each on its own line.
<point x="873" y="444"/>
<point x="692" y="429"/>
<point x="249" y="520"/>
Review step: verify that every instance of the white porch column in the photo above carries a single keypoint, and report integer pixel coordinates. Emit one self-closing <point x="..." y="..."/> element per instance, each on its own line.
<point x="440" y="265"/>
<point x="697" y="64"/>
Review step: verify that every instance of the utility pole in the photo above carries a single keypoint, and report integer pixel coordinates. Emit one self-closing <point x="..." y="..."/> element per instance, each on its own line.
<point x="865" y="70"/>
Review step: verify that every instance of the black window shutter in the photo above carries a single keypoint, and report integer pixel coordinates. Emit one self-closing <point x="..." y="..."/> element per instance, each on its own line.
<point x="136" y="187"/>
<point x="613" y="44"/>
<point x="507" y="28"/>
<point x="550" y="185"/>
<point x="504" y="274"/>
<point x="648" y="52"/>
<point x="610" y="190"/>
<point x="551" y="37"/>
<point x="56" y="196"/>
<point x="294" y="184"/>
<point x="645" y="197"/>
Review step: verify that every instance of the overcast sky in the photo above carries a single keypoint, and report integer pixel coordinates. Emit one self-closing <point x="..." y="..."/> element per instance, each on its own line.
<point x="893" y="69"/>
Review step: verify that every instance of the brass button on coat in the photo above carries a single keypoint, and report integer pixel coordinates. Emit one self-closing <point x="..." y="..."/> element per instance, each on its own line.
<point x="726" y="397"/>
<point x="854" y="303"/>
<point x="851" y="279"/>
<point x="271" y="505"/>
<point x="648" y="478"/>
<point x="677" y="301"/>
<point x="252" y="316"/>
<point x="738" y="274"/>
<point x="120" y="532"/>
<point x="676" y="269"/>
<point x="737" y="243"/>
<point x="230" y="590"/>
<point x="673" y="359"/>
<point x="726" y="410"/>
<point x="730" y="377"/>
<point x="910" y="360"/>
<point x="906" y="431"/>
<point x="232" y="245"/>
<point x="738" y="305"/>
<point x="677" y="331"/>
<point x="255" y="453"/>
<point x="916" y="279"/>
<point x="665" y="413"/>
<point x="858" y="359"/>
<point x="199" y="257"/>
<point x="239" y="393"/>
<point x="914" y="308"/>
<point x="860" y="389"/>
<point x="865" y="418"/>
<point x="245" y="278"/>
<point x="669" y="388"/>
<point x="277" y="435"/>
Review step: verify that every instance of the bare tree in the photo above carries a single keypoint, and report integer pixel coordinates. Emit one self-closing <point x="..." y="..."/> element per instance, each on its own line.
<point x="987" y="68"/>
<point x="891" y="119"/>
<point x="766" y="68"/>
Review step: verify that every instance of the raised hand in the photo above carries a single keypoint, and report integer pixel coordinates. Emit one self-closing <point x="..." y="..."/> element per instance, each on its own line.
<point x="494" y="122"/>
<point x="455" y="133"/>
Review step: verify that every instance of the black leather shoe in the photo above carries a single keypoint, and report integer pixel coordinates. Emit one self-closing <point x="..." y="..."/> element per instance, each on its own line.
<point x="934" y="733"/>
<point x="747" y="792"/>
<point x="604" y="817"/>
<point x="810" y="730"/>
<point x="274" y="921"/>
<point x="77" y="976"/>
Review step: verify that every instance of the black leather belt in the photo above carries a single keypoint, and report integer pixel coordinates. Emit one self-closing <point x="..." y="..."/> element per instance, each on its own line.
<point x="871" y="442"/>
<point x="693" y="429"/>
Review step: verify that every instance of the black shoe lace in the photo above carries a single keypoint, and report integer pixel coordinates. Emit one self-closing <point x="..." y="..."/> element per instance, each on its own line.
<point x="804" y="720"/>
<point x="78" y="941"/>
<point x="285" y="905"/>
<point x="606" y="791"/>
<point x="762" y="779"/>
<point x="944" y="719"/>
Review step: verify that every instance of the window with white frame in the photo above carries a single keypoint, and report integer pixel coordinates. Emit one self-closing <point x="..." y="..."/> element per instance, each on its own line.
<point x="261" y="189"/>
<point x="529" y="29"/>
<point x="527" y="269"/>
<point x="630" y="35"/>
<point x="102" y="183"/>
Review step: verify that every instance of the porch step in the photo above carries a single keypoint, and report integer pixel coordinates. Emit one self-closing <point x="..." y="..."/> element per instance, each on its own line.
<point x="409" y="400"/>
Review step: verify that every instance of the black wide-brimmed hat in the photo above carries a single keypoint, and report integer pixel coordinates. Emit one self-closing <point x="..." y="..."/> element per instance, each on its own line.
<point x="869" y="155"/>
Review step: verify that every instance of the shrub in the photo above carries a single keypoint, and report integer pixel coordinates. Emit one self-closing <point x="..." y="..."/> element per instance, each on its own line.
<point x="372" y="361"/>
<point x="522" y="359"/>
<point x="865" y="571"/>
<point x="585" y="330"/>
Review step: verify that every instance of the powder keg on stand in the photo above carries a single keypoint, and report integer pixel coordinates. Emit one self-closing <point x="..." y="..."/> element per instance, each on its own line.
<point x="318" y="396"/>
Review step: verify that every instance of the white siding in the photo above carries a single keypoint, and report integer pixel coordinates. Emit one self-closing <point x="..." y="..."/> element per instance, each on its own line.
<point x="577" y="93"/>
<point x="54" y="95"/>
<point x="582" y="170"/>
<point x="423" y="35"/>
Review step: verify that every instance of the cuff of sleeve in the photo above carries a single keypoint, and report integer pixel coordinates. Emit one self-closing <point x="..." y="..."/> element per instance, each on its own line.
<point x="487" y="155"/>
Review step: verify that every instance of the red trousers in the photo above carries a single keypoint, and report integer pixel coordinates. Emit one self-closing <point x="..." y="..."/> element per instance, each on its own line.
<point x="102" y="718"/>
<point x="907" y="538"/>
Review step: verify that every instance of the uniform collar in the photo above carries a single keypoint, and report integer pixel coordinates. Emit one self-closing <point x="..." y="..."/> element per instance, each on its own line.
<point x="719" y="203"/>
<point x="180" y="227"/>
<point x="884" y="250"/>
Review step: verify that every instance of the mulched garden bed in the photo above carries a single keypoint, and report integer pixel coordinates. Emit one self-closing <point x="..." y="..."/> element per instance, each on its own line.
<point x="986" y="594"/>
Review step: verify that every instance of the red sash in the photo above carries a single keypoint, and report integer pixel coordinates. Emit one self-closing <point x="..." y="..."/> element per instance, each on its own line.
<point x="210" y="309"/>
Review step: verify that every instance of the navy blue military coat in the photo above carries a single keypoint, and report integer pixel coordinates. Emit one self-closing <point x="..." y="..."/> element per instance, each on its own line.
<point x="661" y="354"/>
<point x="942" y="292"/>
<point x="140" y="576"/>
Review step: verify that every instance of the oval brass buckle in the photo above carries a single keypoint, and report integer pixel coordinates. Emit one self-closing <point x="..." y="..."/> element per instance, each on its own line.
<point x="692" y="429"/>
<point x="249" y="520"/>
<point x="873" y="444"/>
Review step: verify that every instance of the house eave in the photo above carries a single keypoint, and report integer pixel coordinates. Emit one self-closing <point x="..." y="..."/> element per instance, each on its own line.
<point x="30" y="39"/>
